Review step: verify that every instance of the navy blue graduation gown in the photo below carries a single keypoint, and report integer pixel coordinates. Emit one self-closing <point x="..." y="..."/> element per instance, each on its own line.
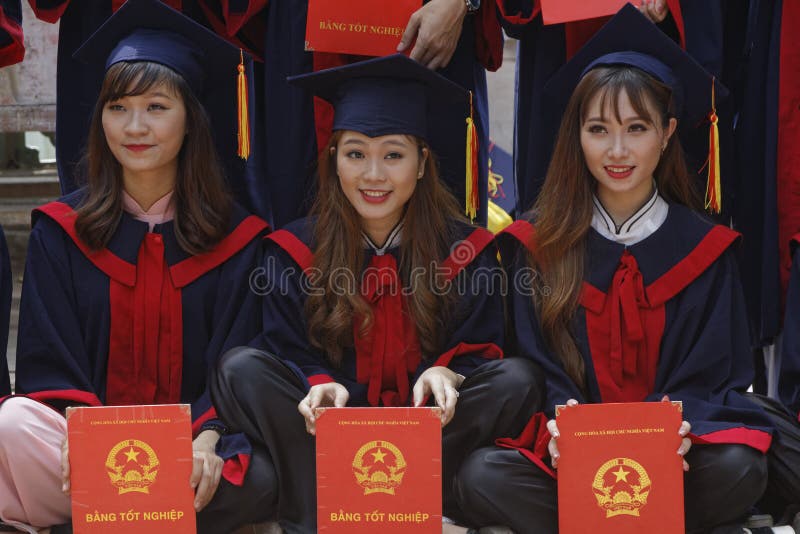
<point x="138" y="322"/>
<point x="291" y="117"/>
<point x="789" y="378"/>
<point x="662" y="317"/>
<point x="6" y="284"/>
<point x="384" y="366"/>
<point x="697" y="25"/>
<point x="756" y="157"/>
<point x="12" y="45"/>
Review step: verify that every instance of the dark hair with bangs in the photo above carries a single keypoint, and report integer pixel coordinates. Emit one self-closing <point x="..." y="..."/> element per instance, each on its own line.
<point x="427" y="236"/>
<point x="608" y="83"/>
<point x="561" y="233"/>
<point x="201" y="199"/>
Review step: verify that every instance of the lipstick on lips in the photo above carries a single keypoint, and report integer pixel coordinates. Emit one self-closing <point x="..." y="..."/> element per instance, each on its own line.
<point x="374" y="197"/>
<point x="137" y="148"/>
<point x="618" y="172"/>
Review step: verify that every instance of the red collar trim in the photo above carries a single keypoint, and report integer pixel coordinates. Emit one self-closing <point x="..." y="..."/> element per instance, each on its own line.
<point x="187" y="271"/>
<point x="298" y="250"/>
<point x="683" y="273"/>
<point x="710" y="248"/>
<point x="461" y="257"/>
<point x="522" y="231"/>
<point x="111" y="264"/>
<point x="466" y="251"/>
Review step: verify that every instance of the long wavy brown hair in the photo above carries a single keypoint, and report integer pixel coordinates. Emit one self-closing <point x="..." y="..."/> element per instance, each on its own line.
<point x="563" y="210"/>
<point x="201" y="199"/>
<point x="426" y="238"/>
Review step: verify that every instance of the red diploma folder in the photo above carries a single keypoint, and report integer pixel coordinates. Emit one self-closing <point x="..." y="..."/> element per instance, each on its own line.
<point x="360" y="27"/>
<point x="557" y="11"/>
<point x="130" y="469"/>
<point x="619" y="469"/>
<point x="379" y="470"/>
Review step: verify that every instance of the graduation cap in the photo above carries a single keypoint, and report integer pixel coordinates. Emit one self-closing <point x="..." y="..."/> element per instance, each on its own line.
<point x="630" y="39"/>
<point x="392" y="95"/>
<point x="148" y="30"/>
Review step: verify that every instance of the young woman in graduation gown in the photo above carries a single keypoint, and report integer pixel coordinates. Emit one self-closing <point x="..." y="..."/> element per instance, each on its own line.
<point x="383" y="297"/>
<point x="633" y="295"/>
<point x="136" y="283"/>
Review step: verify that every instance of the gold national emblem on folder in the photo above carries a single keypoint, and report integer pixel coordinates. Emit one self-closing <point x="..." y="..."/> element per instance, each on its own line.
<point x="379" y="470"/>
<point x="619" y="470"/>
<point x="130" y="468"/>
<point x="621" y="486"/>
<point x="379" y="467"/>
<point x="132" y="465"/>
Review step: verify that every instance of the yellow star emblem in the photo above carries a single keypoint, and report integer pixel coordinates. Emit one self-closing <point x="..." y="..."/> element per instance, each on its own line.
<point x="621" y="475"/>
<point x="132" y="455"/>
<point x="379" y="456"/>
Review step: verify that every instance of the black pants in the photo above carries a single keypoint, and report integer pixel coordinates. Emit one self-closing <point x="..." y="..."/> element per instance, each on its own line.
<point x="501" y="487"/>
<point x="235" y="506"/>
<point x="255" y="392"/>
<point x="783" y="457"/>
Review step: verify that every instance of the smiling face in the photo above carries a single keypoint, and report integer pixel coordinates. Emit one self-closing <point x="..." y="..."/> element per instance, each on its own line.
<point x="378" y="175"/>
<point x="622" y="150"/>
<point x="145" y="133"/>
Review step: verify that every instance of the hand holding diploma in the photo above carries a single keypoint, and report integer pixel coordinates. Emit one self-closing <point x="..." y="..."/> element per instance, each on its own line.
<point x="206" y="468"/>
<point x="552" y="447"/>
<point x="319" y="396"/>
<point x="436" y="26"/>
<point x="443" y="383"/>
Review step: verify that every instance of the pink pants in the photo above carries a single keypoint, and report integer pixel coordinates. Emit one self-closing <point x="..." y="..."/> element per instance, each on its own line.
<point x="31" y="435"/>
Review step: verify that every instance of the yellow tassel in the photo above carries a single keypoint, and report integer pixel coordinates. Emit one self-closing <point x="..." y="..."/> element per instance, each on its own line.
<point x="242" y="110"/>
<point x="471" y="200"/>
<point x="713" y="185"/>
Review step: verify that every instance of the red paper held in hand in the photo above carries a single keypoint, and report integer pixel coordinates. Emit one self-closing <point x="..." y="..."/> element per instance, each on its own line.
<point x="379" y="470"/>
<point x="130" y="469"/>
<point x="619" y="469"/>
<point x="557" y="11"/>
<point x="359" y="27"/>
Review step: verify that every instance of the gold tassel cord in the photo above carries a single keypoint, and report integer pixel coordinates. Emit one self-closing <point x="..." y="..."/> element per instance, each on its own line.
<point x="471" y="207"/>
<point x="713" y="185"/>
<point x="242" y="110"/>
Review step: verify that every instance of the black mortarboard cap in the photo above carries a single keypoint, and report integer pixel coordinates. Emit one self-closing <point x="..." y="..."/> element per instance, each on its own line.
<point x="149" y="30"/>
<point x="394" y="95"/>
<point x="382" y="96"/>
<point x="629" y="38"/>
